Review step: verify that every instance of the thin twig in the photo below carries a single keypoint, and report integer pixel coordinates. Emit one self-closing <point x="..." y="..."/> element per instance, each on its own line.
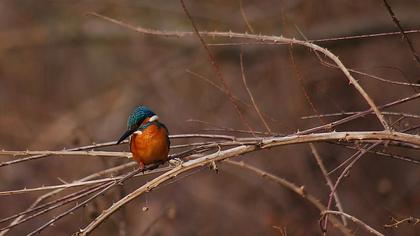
<point x="244" y="17"/>
<point x="215" y="67"/>
<point x="92" y="146"/>
<point x="358" y="115"/>
<point x="404" y="35"/>
<point x="258" y="38"/>
<point x="51" y="207"/>
<point x="213" y="84"/>
<point x="108" y="186"/>
<point x="406" y="115"/>
<point x="240" y="131"/>
<point x="385" y="154"/>
<point x="327" y="179"/>
<point x="67" y="153"/>
<point x="55" y="192"/>
<point x="346" y="170"/>
<point x="300" y="191"/>
<point x="359" y="150"/>
<point x="78" y="183"/>
<point x="299" y="78"/>
<point x="39" y="207"/>
<point x="240" y="150"/>
<point x="199" y="76"/>
<point x="397" y="222"/>
<point x="365" y="36"/>
<point x="355" y="220"/>
<point x="257" y="109"/>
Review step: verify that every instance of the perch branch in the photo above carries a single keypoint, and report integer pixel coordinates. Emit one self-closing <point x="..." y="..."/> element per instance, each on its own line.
<point x="243" y="149"/>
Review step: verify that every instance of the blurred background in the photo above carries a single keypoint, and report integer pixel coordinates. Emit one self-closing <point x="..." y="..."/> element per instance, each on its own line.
<point x="68" y="79"/>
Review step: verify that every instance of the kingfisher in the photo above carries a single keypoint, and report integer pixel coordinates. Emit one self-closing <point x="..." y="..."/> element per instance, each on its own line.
<point x="149" y="141"/>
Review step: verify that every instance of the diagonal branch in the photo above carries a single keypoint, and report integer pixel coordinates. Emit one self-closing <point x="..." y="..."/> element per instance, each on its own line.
<point x="216" y="68"/>
<point x="354" y="219"/>
<point x="263" y="38"/>
<point x="78" y="183"/>
<point x="327" y="179"/>
<point x="294" y="188"/>
<point x="404" y="35"/>
<point x="346" y="170"/>
<point x="257" y="109"/>
<point x="57" y="191"/>
<point x="241" y="150"/>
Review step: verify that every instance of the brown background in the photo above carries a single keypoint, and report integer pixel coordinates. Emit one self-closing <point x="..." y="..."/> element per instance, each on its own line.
<point x="68" y="79"/>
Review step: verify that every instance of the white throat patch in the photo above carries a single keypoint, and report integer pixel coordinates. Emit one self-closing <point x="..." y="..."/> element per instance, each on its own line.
<point x="153" y="118"/>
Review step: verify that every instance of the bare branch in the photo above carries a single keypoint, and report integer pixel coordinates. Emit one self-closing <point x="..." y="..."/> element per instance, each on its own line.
<point x="216" y="68"/>
<point x="346" y="170"/>
<point x="397" y="222"/>
<point x="257" y="109"/>
<point x="242" y="149"/>
<point x="355" y="220"/>
<point x="68" y="153"/>
<point x="244" y="17"/>
<point x="79" y="183"/>
<point x="300" y="191"/>
<point x="404" y="35"/>
<point x="77" y="206"/>
<point x="327" y="179"/>
<point x="406" y="115"/>
<point x="259" y="38"/>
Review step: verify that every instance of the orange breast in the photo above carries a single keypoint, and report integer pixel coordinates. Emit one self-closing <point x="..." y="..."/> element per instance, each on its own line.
<point x="151" y="145"/>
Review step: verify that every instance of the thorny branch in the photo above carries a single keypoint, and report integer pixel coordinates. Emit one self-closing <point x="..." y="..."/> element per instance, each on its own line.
<point x="354" y="219"/>
<point x="219" y="148"/>
<point x="404" y="35"/>
<point x="263" y="38"/>
<point x="241" y="150"/>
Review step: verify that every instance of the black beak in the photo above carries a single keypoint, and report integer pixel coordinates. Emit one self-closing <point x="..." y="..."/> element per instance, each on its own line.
<point x="125" y="135"/>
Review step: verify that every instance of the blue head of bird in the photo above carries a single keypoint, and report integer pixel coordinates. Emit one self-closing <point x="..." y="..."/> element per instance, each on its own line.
<point x="135" y="120"/>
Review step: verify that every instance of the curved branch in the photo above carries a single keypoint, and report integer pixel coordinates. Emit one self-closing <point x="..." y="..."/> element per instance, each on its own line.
<point x="264" y="38"/>
<point x="243" y="149"/>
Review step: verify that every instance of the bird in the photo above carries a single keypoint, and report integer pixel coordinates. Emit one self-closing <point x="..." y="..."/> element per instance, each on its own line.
<point x="149" y="140"/>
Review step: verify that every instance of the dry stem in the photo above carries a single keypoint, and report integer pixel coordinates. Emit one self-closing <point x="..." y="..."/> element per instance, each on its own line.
<point x="243" y="149"/>
<point x="263" y="38"/>
<point x="355" y="220"/>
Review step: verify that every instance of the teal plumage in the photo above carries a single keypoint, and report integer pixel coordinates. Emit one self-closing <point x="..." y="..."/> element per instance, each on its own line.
<point x="149" y="142"/>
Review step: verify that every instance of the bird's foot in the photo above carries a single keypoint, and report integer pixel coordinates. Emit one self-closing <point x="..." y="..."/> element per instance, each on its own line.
<point x="213" y="166"/>
<point x="141" y="166"/>
<point x="175" y="162"/>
